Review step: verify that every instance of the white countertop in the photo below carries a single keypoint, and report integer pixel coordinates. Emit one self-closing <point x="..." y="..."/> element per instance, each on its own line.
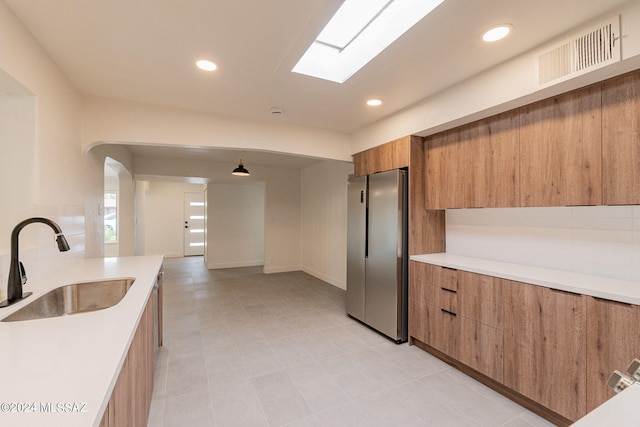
<point x="620" y="410"/>
<point x="597" y="286"/>
<point x="72" y="359"/>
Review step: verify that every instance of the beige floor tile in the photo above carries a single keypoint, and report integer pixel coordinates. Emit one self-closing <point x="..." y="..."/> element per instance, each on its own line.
<point x="247" y="349"/>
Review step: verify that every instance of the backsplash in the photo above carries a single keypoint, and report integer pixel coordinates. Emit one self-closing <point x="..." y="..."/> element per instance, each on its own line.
<point x="598" y="240"/>
<point x="38" y="250"/>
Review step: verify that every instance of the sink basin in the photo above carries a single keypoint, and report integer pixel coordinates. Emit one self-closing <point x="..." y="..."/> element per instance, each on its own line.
<point x="73" y="299"/>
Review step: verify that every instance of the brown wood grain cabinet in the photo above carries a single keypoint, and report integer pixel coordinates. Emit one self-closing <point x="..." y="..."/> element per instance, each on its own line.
<point x="459" y="314"/>
<point x="621" y="140"/>
<point x="385" y="157"/>
<point x="553" y="347"/>
<point x="482" y="312"/>
<point x="482" y="348"/>
<point x="613" y="340"/>
<point x="545" y="347"/>
<point x="474" y="165"/>
<point x="491" y="161"/>
<point x="445" y="170"/>
<point x="131" y="397"/>
<point x="426" y="227"/>
<point x="436" y="323"/>
<point x="560" y="150"/>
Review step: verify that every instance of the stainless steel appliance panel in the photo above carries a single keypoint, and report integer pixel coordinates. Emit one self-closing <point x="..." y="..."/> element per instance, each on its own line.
<point x="356" y="238"/>
<point x="384" y="263"/>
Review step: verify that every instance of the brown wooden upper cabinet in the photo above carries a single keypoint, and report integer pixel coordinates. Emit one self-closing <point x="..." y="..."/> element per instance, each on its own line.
<point x="492" y="162"/>
<point x="560" y="150"/>
<point x="621" y="140"/>
<point x="474" y="165"/>
<point x="445" y="178"/>
<point x="386" y="157"/>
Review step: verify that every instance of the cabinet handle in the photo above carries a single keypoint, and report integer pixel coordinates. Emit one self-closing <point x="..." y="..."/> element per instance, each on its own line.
<point x="448" y="290"/>
<point x="565" y="292"/>
<point x="610" y="300"/>
<point x="448" y="312"/>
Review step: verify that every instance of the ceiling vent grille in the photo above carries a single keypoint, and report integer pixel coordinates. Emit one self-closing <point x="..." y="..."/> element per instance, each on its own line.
<point x="581" y="53"/>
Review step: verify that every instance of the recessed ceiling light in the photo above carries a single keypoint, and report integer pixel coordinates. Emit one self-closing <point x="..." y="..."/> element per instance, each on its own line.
<point x="374" y="102"/>
<point x="357" y="33"/>
<point x="206" y="65"/>
<point x="497" y="33"/>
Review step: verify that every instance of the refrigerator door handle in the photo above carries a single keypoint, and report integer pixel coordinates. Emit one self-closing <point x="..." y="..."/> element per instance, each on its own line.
<point x="366" y="233"/>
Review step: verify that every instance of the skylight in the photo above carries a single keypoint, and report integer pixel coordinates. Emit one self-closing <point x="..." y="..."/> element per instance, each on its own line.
<point x="357" y="33"/>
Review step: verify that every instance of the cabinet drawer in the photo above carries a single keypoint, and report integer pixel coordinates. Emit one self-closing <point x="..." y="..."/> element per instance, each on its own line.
<point x="485" y="287"/>
<point x="487" y="312"/>
<point x="440" y="297"/>
<point x="482" y="348"/>
<point x="446" y="278"/>
<point x="442" y="330"/>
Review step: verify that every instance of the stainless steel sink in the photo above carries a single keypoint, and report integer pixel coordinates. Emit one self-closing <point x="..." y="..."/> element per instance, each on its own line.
<point x="73" y="299"/>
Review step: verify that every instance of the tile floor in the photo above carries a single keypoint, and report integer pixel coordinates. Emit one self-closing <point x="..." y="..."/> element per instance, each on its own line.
<point x="247" y="349"/>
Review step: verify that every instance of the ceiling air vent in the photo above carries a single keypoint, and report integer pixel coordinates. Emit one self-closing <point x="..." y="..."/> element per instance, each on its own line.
<point x="583" y="52"/>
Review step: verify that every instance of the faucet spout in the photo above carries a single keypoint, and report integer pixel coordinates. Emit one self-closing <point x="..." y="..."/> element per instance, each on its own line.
<point x="17" y="275"/>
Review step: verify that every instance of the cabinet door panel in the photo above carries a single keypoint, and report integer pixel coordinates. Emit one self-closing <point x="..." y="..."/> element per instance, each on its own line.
<point x="445" y="180"/>
<point x="481" y="298"/>
<point x="560" y="150"/>
<point x="621" y="140"/>
<point x="613" y="340"/>
<point x="482" y="348"/>
<point x="487" y="312"/>
<point x="418" y="319"/>
<point x="443" y="330"/>
<point x="386" y="157"/>
<point x="492" y="162"/>
<point x="545" y="347"/>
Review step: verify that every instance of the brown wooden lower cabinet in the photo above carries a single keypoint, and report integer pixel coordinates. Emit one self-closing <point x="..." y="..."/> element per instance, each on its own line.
<point x="443" y="330"/>
<point x="545" y="347"/>
<point x="131" y="398"/>
<point x="613" y="340"/>
<point x="549" y="350"/>
<point x="482" y="348"/>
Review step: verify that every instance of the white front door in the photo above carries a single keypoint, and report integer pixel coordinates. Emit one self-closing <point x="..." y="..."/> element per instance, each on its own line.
<point x="194" y="223"/>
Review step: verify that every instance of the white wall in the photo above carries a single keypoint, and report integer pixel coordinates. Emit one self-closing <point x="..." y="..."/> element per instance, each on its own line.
<point x="160" y="216"/>
<point x="111" y="183"/>
<point x="235" y="225"/>
<point x="598" y="240"/>
<point x="43" y="162"/>
<point x="120" y="121"/>
<point x="282" y="234"/>
<point x="324" y="221"/>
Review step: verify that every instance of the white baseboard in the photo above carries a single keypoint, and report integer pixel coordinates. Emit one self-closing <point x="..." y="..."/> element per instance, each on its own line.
<point x="180" y="255"/>
<point x="331" y="280"/>
<point x="218" y="265"/>
<point x="282" y="269"/>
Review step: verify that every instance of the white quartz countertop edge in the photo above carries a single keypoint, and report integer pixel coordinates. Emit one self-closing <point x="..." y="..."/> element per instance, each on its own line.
<point x="75" y="360"/>
<point x="620" y="410"/>
<point x="597" y="286"/>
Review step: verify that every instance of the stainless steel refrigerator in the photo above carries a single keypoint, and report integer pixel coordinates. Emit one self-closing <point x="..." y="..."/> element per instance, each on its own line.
<point x="377" y="254"/>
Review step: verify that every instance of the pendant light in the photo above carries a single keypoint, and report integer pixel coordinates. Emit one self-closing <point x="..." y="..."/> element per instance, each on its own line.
<point x="240" y="170"/>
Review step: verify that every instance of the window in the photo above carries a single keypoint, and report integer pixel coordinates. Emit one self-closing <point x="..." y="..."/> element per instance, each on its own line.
<point x="110" y="216"/>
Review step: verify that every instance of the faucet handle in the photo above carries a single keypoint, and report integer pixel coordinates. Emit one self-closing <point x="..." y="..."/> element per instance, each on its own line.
<point x="23" y="273"/>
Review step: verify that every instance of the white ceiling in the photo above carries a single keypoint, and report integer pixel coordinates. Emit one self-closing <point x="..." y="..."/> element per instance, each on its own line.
<point x="144" y="50"/>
